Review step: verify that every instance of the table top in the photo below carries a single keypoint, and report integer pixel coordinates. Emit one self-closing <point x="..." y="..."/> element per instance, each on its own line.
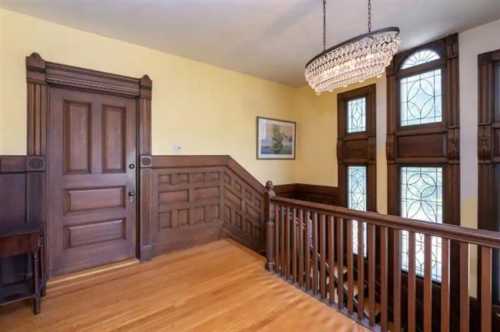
<point x="20" y="229"/>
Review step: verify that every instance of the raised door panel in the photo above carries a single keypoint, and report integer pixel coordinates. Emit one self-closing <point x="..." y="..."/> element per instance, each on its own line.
<point x="78" y="200"/>
<point x="114" y="139"/>
<point x="91" y="217"/>
<point x="95" y="233"/>
<point x="77" y="137"/>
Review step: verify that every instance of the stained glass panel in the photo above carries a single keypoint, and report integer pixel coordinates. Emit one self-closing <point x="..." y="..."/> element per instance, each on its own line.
<point x="356" y="115"/>
<point x="419" y="58"/>
<point x="356" y="200"/>
<point x="421" y="98"/>
<point x="422" y="199"/>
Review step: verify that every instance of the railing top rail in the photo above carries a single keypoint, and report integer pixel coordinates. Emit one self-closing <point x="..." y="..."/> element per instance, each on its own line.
<point x="459" y="233"/>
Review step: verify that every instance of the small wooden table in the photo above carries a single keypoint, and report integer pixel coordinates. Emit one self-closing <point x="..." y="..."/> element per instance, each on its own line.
<point x="18" y="240"/>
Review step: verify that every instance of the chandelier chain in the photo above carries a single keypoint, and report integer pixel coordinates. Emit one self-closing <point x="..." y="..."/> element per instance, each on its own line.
<point x="324" y="25"/>
<point x="354" y="60"/>
<point x="369" y="15"/>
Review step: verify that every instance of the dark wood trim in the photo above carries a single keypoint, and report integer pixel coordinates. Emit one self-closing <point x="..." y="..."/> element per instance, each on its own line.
<point x="309" y="192"/>
<point x="21" y="186"/>
<point x="445" y="134"/>
<point x="358" y="148"/>
<point x="238" y="195"/>
<point x="42" y="75"/>
<point x="427" y="307"/>
<point x="432" y="144"/>
<point x="206" y="161"/>
<point x="488" y="152"/>
<point x="13" y="164"/>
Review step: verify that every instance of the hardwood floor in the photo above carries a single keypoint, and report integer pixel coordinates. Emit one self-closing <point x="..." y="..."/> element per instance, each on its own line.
<point x="220" y="286"/>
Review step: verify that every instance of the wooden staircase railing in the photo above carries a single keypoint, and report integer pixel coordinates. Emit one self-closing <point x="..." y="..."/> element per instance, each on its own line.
<point x="311" y="245"/>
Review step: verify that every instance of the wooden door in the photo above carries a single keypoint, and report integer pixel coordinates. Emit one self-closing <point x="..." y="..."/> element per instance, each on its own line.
<point x="92" y="179"/>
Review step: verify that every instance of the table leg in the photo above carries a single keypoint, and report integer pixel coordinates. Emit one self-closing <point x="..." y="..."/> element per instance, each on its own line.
<point x="36" y="282"/>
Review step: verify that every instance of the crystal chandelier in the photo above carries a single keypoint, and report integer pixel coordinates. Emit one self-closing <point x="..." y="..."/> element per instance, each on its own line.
<point x="354" y="60"/>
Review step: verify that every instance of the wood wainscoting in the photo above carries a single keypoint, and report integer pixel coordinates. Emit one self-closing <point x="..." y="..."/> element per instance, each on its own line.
<point x="22" y="183"/>
<point x="198" y="199"/>
<point x="309" y="192"/>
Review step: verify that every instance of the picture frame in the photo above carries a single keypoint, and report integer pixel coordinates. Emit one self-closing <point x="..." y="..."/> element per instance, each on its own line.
<point x="276" y="139"/>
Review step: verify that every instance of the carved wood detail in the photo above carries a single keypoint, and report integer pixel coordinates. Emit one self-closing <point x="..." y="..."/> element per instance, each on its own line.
<point x="41" y="76"/>
<point x="489" y="154"/>
<point x="197" y="199"/>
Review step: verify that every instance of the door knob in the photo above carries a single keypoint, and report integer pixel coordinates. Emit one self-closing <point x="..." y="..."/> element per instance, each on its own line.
<point x="131" y="166"/>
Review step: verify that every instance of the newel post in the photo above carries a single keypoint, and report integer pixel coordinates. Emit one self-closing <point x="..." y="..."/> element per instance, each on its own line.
<point x="269" y="194"/>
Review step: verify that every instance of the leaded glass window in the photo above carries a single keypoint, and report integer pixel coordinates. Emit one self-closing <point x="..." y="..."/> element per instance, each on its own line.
<point x="419" y="58"/>
<point x="421" y="98"/>
<point x="356" y="115"/>
<point x="422" y="199"/>
<point x="356" y="200"/>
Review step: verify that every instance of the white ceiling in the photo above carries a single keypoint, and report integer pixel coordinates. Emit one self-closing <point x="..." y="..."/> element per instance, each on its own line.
<point x="271" y="39"/>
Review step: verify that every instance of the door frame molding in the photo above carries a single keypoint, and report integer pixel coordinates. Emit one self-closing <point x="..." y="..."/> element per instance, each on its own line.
<point x="488" y="156"/>
<point x="42" y="75"/>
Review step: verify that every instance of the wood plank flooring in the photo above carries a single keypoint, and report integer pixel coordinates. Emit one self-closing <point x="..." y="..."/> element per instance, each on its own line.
<point x="220" y="286"/>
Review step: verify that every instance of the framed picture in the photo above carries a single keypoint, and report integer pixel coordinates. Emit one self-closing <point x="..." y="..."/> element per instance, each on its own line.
<point x="275" y="139"/>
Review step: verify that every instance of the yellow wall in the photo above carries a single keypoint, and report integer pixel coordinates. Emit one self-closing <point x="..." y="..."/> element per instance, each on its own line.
<point x="202" y="108"/>
<point x="317" y="143"/>
<point x="209" y="110"/>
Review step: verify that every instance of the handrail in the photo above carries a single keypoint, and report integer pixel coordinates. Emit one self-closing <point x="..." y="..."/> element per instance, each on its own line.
<point x="452" y="232"/>
<point x="313" y="246"/>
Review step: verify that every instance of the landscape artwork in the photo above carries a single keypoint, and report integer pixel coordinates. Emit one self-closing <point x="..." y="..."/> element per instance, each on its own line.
<point x="275" y="139"/>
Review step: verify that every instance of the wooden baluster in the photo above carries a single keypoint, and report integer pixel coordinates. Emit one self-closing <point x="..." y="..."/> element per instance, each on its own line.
<point x="428" y="283"/>
<point x="396" y="304"/>
<point x="340" y="262"/>
<point x="294" y="245"/>
<point x="308" y="250"/>
<point x="331" y="256"/>
<point x="315" y="254"/>
<point x="282" y="242"/>
<point x="384" y="274"/>
<point x="322" y="243"/>
<point x="445" y="285"/>
<point x="350" y="268"/>
<point x="412" y="282"/>
<point x="371" y="271"/>
<point x="270" y="227"/>
<point x="301" y="248"/>
<point x="361" y="270"/>
<point x="288" y="255"/>
<point x="277" y="233"/>
<point x="464" y="287"/>
<point x="486" y="289"/>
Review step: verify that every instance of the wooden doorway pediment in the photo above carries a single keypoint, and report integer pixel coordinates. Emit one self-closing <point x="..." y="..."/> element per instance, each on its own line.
<point x="42" y="76"/>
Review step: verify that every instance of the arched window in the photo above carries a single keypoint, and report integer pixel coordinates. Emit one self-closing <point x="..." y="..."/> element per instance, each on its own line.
<point x="421" y="90"/>
<point x="422" y="144"/>
<point x="419" y="58"/>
